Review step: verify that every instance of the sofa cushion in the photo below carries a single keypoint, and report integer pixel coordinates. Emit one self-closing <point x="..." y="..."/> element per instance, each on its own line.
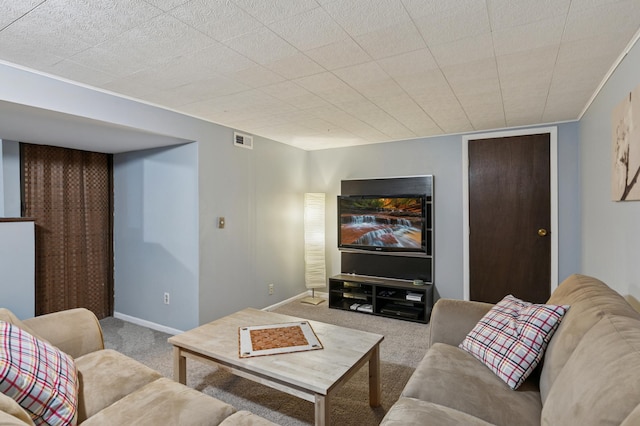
<point x="9" y="406"/>
<point x="107" y="376"/>
<point x="511" y="338"/>
<point x="590" y="300"/>
<point x="600" y="383"/>
<point x="74" y="331"/>
<point x="163" y="402"/>
<point x="7" y="419"/>
<point x="40" y="377"/>
<point x="451" y="377"/>
<point x="633" y="419"/>
<point x="409" y="411"/>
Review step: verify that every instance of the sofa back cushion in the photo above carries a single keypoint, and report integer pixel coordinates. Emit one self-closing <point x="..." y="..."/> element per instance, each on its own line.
<point x="7" y="316"/>
<point x="600" y="383"/>
<point x="590" y="301"/>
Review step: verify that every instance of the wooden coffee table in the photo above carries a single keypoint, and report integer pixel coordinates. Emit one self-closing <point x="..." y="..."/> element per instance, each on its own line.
<point x="312" y="375"/>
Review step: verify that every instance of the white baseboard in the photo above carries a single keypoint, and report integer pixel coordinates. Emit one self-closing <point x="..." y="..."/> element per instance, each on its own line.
<point x="148" y="324"/>
<point x="174" y="331"/>
<point x="294" y="298"/>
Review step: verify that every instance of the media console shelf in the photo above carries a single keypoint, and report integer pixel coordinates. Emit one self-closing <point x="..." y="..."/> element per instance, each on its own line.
<point x="385" y="297"/>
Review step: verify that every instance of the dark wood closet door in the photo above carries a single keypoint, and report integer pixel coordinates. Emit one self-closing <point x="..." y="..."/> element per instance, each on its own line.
<point x="510" y="218"/>
<point x="69" y="194"/>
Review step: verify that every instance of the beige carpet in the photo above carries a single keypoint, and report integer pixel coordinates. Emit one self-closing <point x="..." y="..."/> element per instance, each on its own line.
<point x="404" y="345"/>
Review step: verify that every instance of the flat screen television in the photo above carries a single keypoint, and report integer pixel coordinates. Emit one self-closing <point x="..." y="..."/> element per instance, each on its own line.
<point x="382" y="223"/>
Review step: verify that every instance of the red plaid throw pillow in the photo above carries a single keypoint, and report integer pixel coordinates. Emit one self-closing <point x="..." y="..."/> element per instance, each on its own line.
<point x="37" y="375"/>
<point x="511" y="338"/>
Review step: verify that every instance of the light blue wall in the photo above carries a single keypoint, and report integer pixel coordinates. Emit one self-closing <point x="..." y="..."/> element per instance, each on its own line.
<point x="611" y="230"/>
<point x="155" y="229"/>
<point x="9" y="178"/>
<point x="442" y="157"/>
<point x="260" y="193"/>
<point x="17" y="268"/>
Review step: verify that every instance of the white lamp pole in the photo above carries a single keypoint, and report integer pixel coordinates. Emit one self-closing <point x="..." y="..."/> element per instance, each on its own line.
<point x="314" y="261"/>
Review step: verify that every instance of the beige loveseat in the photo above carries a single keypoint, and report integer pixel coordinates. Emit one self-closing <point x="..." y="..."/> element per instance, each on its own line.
<point x="590" y="374"/>
<point x="115" y="389"/>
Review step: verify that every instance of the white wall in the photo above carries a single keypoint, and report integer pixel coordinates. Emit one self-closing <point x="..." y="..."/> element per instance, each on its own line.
<point x="611" y="230"/>
<point x="442" y="157"/>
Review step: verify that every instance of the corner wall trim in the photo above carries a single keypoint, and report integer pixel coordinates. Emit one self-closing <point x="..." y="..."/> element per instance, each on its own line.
<point x="148" y="324"/>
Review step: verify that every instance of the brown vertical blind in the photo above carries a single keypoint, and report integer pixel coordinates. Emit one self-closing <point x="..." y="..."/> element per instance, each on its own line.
<point x="69" y="194"/>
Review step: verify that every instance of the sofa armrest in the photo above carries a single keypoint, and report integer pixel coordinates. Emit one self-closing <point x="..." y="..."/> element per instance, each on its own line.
<point x="74" y="331"/>
<point x="452" y="320"/>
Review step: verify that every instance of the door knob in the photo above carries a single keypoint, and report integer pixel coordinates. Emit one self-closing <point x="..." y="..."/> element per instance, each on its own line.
<point x="542" y="232"/>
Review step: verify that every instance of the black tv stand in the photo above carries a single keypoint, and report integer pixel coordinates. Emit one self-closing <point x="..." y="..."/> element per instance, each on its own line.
<point x="388" y="297"/>
<point x="376" y="284"/>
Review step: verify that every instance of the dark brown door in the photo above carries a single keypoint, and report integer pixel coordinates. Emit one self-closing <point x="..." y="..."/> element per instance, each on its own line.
<point x="510" y="218"/>
<point x="69" y="194"/>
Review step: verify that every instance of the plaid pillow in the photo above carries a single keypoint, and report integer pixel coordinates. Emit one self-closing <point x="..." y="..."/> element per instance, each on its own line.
<point x="511" y="338"/>
<point x="37" y="375"/>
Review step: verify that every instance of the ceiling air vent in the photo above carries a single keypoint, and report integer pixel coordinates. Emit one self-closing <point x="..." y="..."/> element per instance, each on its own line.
<point x="242" y="140"/>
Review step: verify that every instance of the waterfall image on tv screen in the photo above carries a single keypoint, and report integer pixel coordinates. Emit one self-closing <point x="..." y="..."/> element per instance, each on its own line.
<point x="381" y="223"/>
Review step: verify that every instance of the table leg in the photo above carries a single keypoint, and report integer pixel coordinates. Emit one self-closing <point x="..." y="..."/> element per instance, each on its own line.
<point x="323" y="412"/>
<point x="375" y="386"/>
<point x="179" y="366"/>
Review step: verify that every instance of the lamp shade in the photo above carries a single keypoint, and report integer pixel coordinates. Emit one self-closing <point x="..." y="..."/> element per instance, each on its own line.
<point x="314" y="262"/>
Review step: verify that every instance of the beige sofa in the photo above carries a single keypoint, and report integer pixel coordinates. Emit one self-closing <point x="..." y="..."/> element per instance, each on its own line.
<point x="115" y="389"/>
<point x="590" y="374"/>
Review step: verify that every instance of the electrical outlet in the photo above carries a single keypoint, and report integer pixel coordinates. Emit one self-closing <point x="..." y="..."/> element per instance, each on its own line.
<point x="271" y="289"/>
<point x="166" y="298"/>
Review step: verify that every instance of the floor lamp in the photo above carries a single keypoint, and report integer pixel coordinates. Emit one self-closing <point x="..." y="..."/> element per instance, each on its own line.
<point x="314" y="264"/>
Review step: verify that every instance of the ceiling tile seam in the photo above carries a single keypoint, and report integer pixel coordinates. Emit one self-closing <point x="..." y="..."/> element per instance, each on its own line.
<point x="390" y="77"/>
<point x="272" y="22"/>
<point x="223" y="42"/>
<point x="495" y="60"/>
<point x="317" y="94"/>
<point x="159" y="8"/>
<point x="488" y="2"/>
<point x="105" y="41"/>
<point x="555" y="63"/>
<point x="301" y="52"/>
<point x="439" y="69"/>
<point x="23" y="15"/>
<point x="365" y="97"/>
<point x="226" y="45"/>
<point x="349" y="114"/>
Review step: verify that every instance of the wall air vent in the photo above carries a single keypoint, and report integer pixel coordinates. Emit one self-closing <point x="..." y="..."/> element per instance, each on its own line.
<point x="240" y="139"/>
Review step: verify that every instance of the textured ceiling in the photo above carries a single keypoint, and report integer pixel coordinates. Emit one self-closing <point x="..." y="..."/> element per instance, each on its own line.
<point x="326" y="73"/>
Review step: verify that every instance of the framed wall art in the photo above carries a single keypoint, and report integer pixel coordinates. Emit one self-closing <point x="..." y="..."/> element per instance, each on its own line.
<point x="625" y="127"/>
